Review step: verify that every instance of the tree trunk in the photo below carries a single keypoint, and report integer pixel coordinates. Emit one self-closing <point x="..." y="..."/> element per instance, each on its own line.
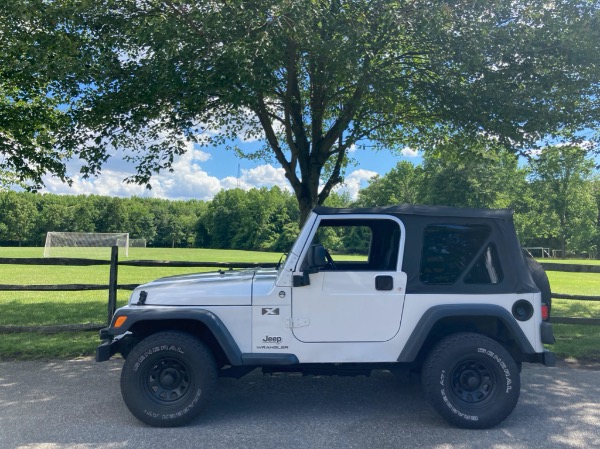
<point x="306" y="206"/>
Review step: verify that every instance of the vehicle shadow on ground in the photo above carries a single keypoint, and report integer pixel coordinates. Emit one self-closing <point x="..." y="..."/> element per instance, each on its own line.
<point x="77" y="404"/>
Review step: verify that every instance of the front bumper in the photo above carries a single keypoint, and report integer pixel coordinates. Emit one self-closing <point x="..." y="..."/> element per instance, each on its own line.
<point x="106" y="350"/>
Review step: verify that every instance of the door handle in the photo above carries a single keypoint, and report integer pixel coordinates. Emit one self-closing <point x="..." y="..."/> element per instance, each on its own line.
<point x="384" y="283"/>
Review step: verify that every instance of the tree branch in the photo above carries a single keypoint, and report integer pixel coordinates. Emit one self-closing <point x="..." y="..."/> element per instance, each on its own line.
<point x="263" y="116"/>
<point x="335" y="177"/>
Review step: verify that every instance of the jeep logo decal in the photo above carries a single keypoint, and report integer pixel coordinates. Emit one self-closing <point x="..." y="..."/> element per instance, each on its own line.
<point x="268" y="339"/>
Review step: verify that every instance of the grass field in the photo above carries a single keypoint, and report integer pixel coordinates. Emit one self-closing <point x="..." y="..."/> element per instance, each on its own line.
<point x="54" y="308"/>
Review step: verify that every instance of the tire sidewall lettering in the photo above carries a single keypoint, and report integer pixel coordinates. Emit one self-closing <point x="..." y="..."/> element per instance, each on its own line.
<point x="502" y="364"/>
<point x="155" y="350"/>
<point x="454" y="410"/>
<point x="178" y="414"/>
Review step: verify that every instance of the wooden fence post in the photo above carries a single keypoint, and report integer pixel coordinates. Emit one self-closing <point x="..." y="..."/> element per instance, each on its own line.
<point x="112" y="282"/>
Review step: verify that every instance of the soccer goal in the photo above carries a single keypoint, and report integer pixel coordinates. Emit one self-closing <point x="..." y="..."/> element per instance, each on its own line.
<point x="137" y="243"/>
<point x="87" y="245"/>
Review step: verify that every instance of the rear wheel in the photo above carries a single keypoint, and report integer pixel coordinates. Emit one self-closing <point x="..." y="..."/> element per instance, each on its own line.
<point x="167" y="379"/>
<point x="471" y="380"/>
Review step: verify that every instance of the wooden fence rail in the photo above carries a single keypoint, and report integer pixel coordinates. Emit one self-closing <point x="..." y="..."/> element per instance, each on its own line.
<point x="113" y="284"/>
<point x="572" y="268"/>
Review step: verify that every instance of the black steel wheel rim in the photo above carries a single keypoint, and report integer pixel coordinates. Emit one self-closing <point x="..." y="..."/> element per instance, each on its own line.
<point x="167" y="381"/>
<point x="473" y="381"/>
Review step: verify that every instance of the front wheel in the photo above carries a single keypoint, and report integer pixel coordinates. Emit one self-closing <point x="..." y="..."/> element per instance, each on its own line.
<point x="167" y="379"/>
<point x="471" y="380"/>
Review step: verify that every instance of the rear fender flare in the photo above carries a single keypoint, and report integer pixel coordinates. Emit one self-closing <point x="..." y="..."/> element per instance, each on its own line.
<point x="435" y="314"/>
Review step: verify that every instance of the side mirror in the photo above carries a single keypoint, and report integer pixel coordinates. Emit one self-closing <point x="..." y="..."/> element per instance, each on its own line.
<point x="316" y="257"/>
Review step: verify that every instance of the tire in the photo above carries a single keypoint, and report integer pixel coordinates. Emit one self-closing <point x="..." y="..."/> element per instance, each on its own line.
<point x="471" y="381"/>
<point x="167" y="379"/>
<point x="539" y="276"/>
<point x="126" y="345"/>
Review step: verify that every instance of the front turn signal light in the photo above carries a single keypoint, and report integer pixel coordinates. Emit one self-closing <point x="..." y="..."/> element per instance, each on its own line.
<point x="120" y="320"/>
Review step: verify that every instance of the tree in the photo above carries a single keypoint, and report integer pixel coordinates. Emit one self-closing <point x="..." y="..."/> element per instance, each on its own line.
<point x="259" y="219"/>
<point x="564" y="203"/>
<point x="313" y="78"/>
<point x="34" y="54"/>
<point x="17" y="217"/>
<point x="140" y="220"/>
<point x="401" y="185"/>
<point x="471" y="173"/>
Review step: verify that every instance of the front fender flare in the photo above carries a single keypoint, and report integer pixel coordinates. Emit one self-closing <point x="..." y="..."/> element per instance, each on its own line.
<point x="206" y="317"/>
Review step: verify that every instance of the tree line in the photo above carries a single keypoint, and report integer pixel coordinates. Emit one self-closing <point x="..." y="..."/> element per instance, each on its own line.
<point x="556" y="198"/>
<point x="260" y="219"/>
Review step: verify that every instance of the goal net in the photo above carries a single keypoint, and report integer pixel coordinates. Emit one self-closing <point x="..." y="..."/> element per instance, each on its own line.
<point x="88" y="245"/>
<point x="137" y="243"/>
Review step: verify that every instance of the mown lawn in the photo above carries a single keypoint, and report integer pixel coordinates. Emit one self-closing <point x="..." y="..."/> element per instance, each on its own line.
<point x="55" y="308"/>
<point x="580" y="342"/>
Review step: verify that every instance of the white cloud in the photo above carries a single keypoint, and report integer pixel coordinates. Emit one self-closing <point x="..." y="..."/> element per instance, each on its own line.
<point x="265" y="176"/>
<point x="261" y="176"/>
<point x="109" y="184"/>
<point x="190" y="181"/>
<point x="187" y="181"/>
<point x="354" y="181"/>
<point x="410" y="152"/>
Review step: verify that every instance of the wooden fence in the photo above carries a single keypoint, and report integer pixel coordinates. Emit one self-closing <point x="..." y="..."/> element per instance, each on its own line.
<point x="113" y="285"/>
<point x="572" y="268"/>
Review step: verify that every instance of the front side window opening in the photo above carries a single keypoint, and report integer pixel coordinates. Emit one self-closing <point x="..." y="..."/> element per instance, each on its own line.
<point x="448" y="250"/>
<point x="360" y="244"/>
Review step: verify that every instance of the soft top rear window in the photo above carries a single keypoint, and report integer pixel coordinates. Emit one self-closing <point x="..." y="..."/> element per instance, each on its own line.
<point x="448" y="250"/>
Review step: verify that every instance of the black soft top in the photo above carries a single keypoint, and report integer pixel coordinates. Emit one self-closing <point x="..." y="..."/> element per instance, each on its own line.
<point x="417" y="218"/>
<point x="427" y="211"/>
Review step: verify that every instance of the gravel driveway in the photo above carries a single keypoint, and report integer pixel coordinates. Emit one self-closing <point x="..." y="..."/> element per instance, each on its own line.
<point x="76" y="404"/>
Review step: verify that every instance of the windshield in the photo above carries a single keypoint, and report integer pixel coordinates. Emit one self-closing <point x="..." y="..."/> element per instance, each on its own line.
<point x="281" y="262"/>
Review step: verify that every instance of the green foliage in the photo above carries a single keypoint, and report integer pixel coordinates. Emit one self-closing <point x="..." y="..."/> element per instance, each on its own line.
<point x="471" y="173"/>
<point x="311" y="78"/>
<point x="556" y="197"/>
<point x="563" y="208"/>
<point x="17" y="215"/>
<point x="34" y="55"/>
<point x="403" y="184"/>
<point x="461" y="173"/>
<point x="258" y="219"/>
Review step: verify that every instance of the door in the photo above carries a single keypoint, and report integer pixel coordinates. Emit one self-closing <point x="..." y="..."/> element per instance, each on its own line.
<point x="355" y="292"/>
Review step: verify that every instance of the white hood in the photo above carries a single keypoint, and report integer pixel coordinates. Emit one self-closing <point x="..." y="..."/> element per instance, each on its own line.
<point x="222" y="288"/>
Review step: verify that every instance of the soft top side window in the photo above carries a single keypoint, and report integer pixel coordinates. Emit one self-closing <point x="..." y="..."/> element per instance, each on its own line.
<point x="448" y="250"/>
<point x="487" y="269"/>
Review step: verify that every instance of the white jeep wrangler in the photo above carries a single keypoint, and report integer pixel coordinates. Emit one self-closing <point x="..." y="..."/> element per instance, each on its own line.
<point x="444" y="292"/>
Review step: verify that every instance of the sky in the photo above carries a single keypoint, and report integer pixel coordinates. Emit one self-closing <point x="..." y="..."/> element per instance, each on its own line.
<point x="202" y="172"/>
